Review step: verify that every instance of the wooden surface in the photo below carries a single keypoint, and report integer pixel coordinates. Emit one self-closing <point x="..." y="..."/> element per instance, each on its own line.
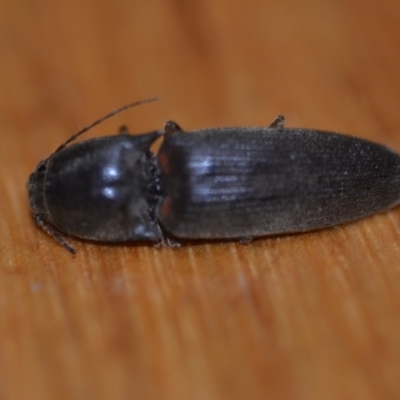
<point x="312" y="316"/>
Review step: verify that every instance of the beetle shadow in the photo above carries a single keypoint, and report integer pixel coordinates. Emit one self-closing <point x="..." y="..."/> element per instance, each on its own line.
<point x="175" y="243"/>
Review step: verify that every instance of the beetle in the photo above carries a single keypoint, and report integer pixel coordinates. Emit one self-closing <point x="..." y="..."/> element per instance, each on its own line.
<point x="222" y="183"/>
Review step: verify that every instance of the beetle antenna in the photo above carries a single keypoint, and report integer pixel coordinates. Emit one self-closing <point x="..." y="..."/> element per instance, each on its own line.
<point x="102" y="119"/>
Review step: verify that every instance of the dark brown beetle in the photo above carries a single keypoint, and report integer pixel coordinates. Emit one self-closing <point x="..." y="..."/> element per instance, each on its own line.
<point x="222" y="183"/>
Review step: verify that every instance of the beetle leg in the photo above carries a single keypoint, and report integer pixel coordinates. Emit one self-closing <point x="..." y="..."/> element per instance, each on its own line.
<point x="158" y="245"/>
<point x="167" y="240"/>
<point x="171" y="127"/>
<point x="246" y="239"/>
<point x="278" y="122"/>
<point x="54" y="234"/>
<point x="162" y="242"/>
<point x="173" y="243"/>
<point x="123" y="130"/>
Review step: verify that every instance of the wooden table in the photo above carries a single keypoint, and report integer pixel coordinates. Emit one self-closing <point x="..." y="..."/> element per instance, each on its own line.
<point x="310" y="316"/>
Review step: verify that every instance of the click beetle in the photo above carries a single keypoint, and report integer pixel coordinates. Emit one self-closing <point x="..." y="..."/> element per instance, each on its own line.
<point x="221" y="183"/>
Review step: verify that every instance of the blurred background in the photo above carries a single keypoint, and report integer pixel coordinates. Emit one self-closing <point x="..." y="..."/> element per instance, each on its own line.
<point x="311" y="316"/>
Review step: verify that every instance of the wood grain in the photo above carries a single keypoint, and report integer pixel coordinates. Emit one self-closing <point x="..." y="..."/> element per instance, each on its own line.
<point x="312" y="316"/>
